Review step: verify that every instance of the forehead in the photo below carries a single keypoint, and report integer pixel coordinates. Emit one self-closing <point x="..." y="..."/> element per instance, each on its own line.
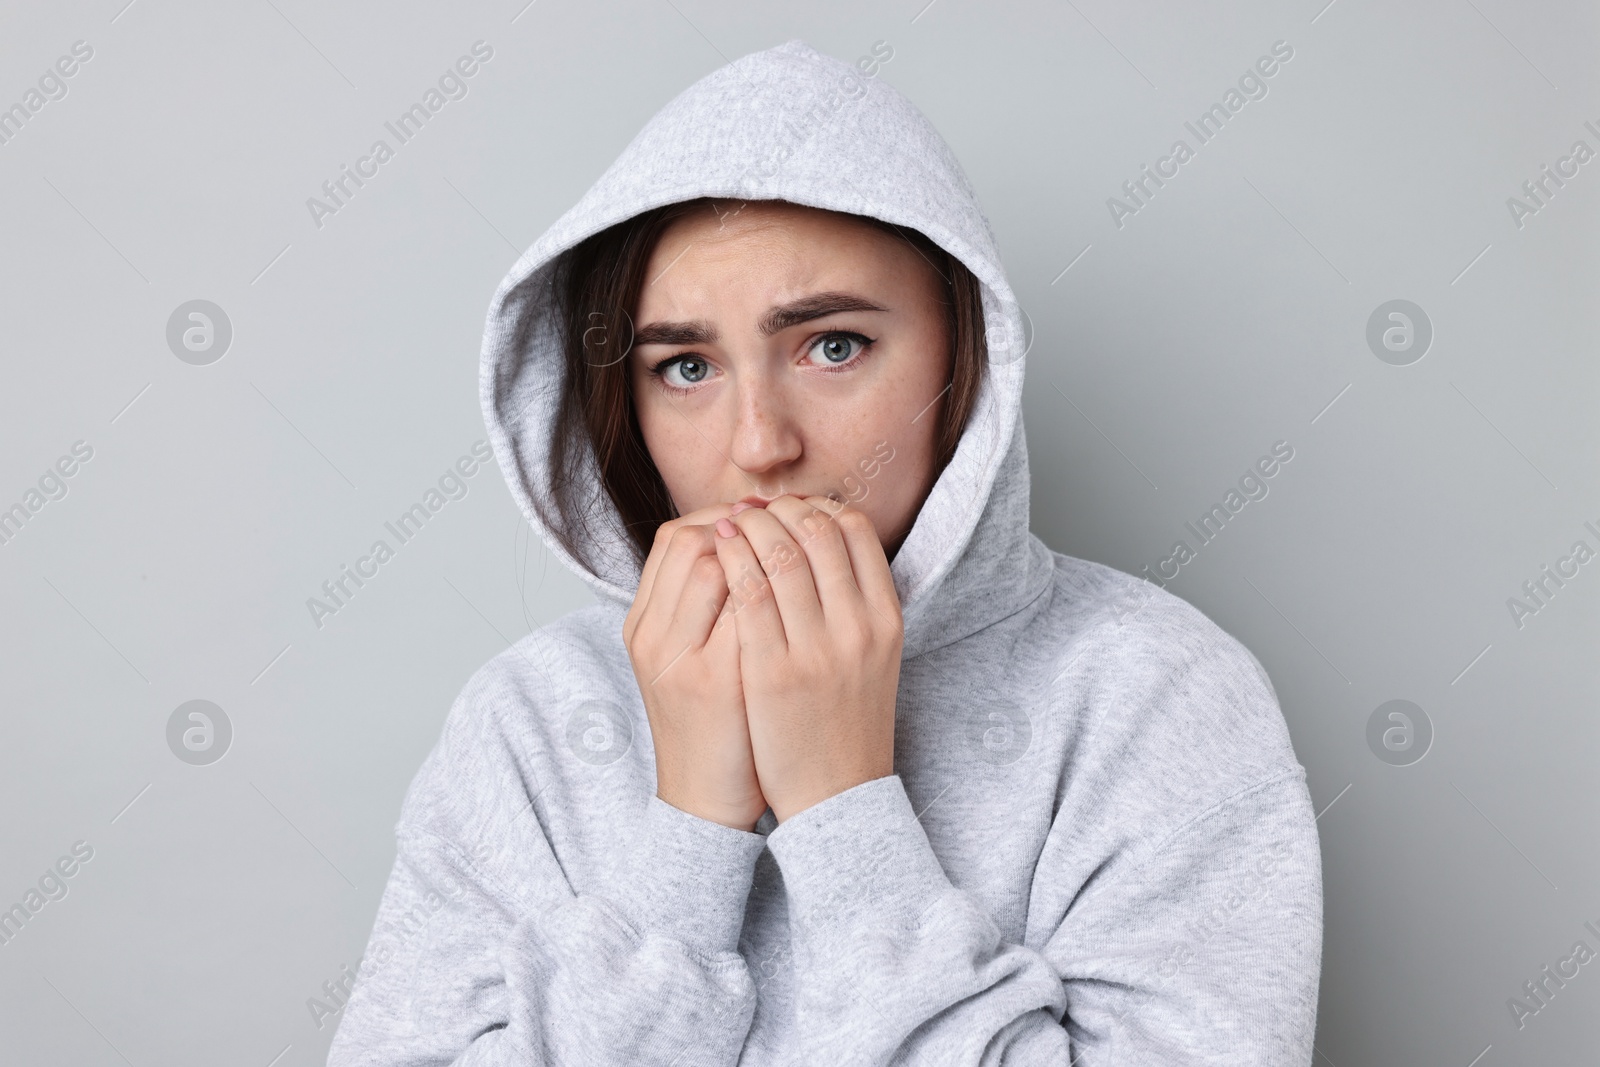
<point x="775" y="247"/>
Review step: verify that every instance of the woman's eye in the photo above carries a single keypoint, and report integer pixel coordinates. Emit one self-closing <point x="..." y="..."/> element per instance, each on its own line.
<point x="681" y="373"/>
<point x="837" y="348"/>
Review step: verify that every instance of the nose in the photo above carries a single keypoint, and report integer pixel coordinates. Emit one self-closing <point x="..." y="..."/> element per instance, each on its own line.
<point x="766" y="434"/>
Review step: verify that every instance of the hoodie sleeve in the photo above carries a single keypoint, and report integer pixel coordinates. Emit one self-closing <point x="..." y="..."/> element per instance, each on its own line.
<point x="482" y="954"/>
<point x="1172" y="962"/>
<point x="1175" y="911"/>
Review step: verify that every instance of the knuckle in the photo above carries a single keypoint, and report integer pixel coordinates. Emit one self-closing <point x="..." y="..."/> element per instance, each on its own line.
<point x="688" y="537"/>
<point x="753" y="588"/>
<point x="815" y="520"/>
<point x="854" y="521"/>
<point x="784" y="557"/>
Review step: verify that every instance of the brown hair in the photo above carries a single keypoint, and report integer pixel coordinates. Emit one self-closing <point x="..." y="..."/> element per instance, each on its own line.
<point x="597" y="285"/>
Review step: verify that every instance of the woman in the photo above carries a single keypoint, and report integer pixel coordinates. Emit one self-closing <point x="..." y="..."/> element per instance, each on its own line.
<point x="846" y="766"/>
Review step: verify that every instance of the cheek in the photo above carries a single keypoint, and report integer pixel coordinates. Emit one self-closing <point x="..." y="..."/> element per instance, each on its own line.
<point x="678" y="451"/>
<point x="880" y="453"/>
<point x="906" y="432"/>
<point x="909" y="406"/>
<point x="904" y="465"/>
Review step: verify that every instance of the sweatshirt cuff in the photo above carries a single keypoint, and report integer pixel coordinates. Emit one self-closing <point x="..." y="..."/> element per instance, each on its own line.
<point x="686" y="878"/>
<point x="858" y="859"/>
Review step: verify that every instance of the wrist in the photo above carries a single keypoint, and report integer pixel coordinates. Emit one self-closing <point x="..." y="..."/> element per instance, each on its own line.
<point x="735" y="817"/>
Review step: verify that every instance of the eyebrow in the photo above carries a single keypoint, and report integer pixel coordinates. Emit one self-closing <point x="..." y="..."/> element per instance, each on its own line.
<point x="776" y="320"/>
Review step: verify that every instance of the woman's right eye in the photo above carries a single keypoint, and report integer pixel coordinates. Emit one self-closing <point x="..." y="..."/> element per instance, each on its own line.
<point x="682" y="372"/>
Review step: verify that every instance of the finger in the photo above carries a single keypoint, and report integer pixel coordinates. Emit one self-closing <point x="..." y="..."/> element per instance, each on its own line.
<point x="658" y="549"/>
<point x="705" y="591"/>
<point x="722" y="647"/>
<point x="868" y="562"/>
<point x="818" y="536"/>
<point x="687" y="545"/>
<point x="784" y="563"/>
<point x="751" y="603"/>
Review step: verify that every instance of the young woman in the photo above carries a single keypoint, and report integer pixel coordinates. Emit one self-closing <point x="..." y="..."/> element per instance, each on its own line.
<point x="846" y="766"/>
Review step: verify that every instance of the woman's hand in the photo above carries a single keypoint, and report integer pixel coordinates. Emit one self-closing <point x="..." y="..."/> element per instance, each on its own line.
<point x="689" y="676"/>
<point x="820" y="634"/>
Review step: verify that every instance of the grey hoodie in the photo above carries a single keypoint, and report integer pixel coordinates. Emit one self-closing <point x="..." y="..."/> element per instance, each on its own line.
<point x="1097" y="846"/>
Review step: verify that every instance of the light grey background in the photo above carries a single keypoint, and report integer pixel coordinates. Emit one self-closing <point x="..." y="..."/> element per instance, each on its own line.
<point x="1229" y="313"/>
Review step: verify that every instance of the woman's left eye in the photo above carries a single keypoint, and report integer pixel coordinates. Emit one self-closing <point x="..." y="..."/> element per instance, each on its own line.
<point x="837" y="348"/>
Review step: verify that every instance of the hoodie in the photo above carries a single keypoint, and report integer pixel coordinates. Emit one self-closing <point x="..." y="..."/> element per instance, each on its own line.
<point x="1097" y="846"/>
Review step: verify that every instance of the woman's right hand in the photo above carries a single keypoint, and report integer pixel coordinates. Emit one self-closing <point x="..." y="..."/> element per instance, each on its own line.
<point x="687" y="669"/>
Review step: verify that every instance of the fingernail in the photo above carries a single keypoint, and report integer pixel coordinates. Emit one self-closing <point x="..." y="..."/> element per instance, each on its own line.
<point x="726" y="528"/>
<point x="740" y="506"/>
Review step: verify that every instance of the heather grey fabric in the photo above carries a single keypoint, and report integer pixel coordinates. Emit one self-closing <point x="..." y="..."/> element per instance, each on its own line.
<point x="1097" y="847"/>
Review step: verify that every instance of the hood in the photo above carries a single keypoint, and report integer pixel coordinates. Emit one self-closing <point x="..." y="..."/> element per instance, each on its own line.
<point x="792" y="124"/>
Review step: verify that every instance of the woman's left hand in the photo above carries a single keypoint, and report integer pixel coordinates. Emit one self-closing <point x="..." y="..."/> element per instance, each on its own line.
<point x="820" y="635"/>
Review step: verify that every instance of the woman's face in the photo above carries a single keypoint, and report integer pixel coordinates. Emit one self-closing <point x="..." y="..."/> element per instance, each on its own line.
<point x="784" y="349"/>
